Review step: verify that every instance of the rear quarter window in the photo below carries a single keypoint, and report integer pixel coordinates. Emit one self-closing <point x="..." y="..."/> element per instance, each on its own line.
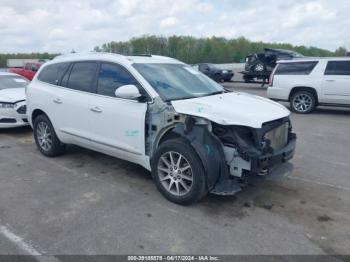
<point x="338" y="68"/>
<point x="295" y="68"/>
<point x="52" y="73"/>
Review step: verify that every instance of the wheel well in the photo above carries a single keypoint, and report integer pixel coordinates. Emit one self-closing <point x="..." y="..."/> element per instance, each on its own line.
<point x="304" y="88"/>
<point x="167" y="136"/>
<point x="36" y="113"/>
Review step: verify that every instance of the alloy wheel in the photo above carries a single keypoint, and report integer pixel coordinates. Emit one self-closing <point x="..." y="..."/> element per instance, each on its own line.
<point x="175" y="173"/>
<point x="44" y="136"/>
<point x="302" y="102"/>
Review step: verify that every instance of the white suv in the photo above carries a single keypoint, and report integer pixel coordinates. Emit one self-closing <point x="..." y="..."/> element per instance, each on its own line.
<point x="309" y="82"/>
<point x="160" y="113"/>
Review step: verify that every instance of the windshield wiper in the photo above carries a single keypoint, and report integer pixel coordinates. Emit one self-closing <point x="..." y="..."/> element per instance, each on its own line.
<point x="190" y="97"/>
<point x="215" y="93"/>
<point x="180" y="98"/>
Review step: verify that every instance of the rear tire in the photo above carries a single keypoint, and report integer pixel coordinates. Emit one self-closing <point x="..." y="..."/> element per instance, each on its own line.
<point x="303" y="102"/>
<point x="180" y="181"/>
<point x="46" y="138"/>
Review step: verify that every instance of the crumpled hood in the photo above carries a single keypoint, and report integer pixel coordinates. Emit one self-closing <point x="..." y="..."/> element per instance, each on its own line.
<point x="232" y="109"/>
<point x="12" y="95"/>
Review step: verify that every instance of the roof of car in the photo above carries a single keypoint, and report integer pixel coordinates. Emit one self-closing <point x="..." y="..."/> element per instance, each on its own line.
<point x="306" y="59"/>
<point x="115" y="57"/>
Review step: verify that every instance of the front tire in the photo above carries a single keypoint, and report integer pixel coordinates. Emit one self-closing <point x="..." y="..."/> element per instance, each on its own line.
<point x="46" y="138"/>
<point x="178" y="172"/>
<point x="303" y="102"/>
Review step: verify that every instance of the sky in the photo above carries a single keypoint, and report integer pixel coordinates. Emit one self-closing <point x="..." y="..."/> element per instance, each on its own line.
<point x="60" y="26"/>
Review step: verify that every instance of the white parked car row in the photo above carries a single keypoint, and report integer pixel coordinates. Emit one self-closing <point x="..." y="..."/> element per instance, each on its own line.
<point x="309" y="82"/>
<point x="160" y="113"/>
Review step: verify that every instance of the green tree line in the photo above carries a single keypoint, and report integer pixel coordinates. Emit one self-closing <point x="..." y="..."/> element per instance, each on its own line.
<point x="196" y="50"/>
<point x="189" y="49"/>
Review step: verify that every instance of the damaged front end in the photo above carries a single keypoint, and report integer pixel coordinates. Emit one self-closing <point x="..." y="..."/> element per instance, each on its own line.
<point x="232" y="155"/>
<point x="253" y="152"/>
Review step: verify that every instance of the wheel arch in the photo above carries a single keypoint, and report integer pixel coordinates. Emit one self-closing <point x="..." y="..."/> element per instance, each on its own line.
<point x="208" y="148"/>
<point x="164" y="135"/>
<point x="37" y="112"/>
<point x="303" y="88"/>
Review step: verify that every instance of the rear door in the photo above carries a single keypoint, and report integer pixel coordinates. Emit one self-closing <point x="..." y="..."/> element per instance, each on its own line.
<point x="118" y="125"/>
<point x="71" y="102"/>
<point x="336" y="82"/>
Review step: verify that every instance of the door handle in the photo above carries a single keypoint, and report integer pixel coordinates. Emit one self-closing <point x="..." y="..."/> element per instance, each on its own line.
<point x="96" y="109"/>
<point x="57" y="100"/>
<point x="330" y="80"/>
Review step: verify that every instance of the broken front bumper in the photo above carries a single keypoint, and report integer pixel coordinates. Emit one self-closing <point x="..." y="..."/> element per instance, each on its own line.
<point x="267" y="162"/>
<point x="272" y="166"/>
<point x="217" y="160"/>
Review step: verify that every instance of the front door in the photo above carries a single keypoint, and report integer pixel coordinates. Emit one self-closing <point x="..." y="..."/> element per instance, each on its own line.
<point x="118" y="125"/>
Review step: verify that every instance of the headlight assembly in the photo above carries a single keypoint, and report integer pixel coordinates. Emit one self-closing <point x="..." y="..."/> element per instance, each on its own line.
<point x="7" y="105"/>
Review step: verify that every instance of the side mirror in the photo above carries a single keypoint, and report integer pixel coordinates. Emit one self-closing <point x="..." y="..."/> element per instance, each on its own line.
<point x="128" y="92"/>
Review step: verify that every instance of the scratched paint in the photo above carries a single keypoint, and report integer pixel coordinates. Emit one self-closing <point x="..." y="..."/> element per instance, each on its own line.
<point x="200" y="109"/>
<point x="132" y="133"/>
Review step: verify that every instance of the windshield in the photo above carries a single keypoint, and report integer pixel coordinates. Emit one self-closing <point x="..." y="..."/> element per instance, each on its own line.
<point x="177" y="81"/>
<point x="12" y="82"/>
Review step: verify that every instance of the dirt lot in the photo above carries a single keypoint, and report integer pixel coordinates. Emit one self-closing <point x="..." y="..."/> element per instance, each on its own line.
<point x="88" y="203"/>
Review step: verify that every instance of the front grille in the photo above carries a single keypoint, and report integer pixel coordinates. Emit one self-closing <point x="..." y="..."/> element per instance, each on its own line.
<point x="278" y="136"/>
<point x="22" y="110"/>
<point x="7" y="120"/>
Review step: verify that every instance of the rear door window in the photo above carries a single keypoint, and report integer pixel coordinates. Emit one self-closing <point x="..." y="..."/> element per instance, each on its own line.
<point x="338" y="68"/>
<point x="52" y="73"/>
<point x="81" y="76"/>
<point x="295" y="68"/>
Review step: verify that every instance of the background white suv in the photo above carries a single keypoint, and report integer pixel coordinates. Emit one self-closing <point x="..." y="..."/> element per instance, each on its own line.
<point x="309" y="82"/>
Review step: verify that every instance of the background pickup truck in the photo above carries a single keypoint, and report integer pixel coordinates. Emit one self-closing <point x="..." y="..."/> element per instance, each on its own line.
<point x="28" y="71"/>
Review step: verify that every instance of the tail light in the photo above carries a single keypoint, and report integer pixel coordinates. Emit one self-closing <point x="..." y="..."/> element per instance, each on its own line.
<point x="272" y="76"/>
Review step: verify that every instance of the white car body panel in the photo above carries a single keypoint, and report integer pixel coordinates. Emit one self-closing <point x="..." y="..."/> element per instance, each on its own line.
<point x="331" y="89"/>
<point x="112" y="129"/>
<point x="232" y="109"/>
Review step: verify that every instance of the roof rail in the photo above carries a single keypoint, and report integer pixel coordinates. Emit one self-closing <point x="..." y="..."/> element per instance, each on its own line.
<point x="146" y="55"/>
<point x="86" y="53"/>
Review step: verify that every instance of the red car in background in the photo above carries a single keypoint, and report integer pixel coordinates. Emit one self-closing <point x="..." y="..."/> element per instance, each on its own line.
<point x="28" y="71"/>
